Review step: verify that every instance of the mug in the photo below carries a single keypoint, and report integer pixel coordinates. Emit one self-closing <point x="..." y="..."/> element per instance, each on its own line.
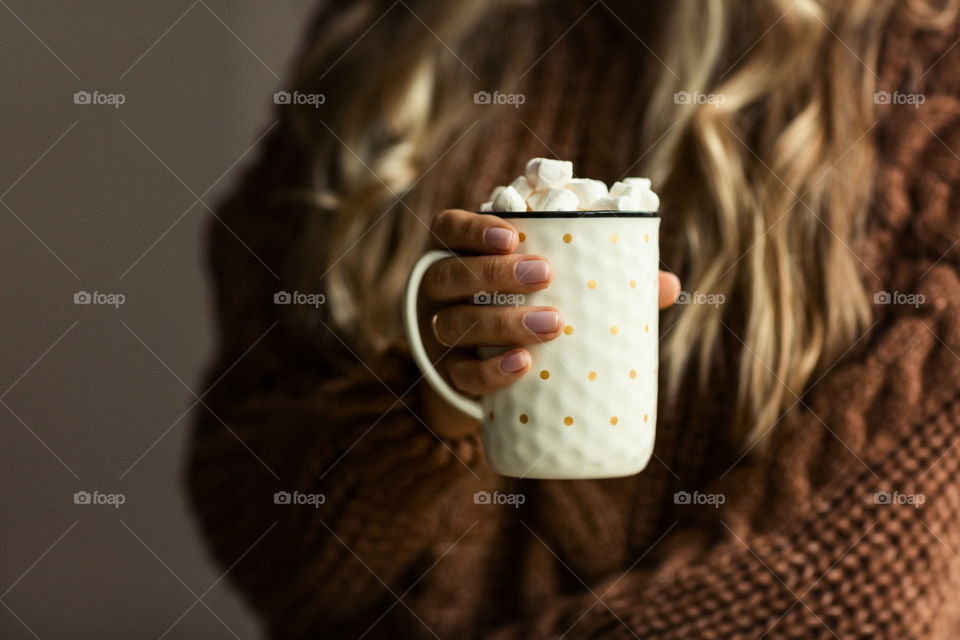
<point x="588" y="406"/>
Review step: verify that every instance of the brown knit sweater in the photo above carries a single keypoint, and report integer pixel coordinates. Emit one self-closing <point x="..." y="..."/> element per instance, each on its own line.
<point x="800" y="549"/>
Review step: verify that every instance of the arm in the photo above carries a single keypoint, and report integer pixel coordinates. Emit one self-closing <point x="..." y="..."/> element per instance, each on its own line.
<point x="279" y="417"/>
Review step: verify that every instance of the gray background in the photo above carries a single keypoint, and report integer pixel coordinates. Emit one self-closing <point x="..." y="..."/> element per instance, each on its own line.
<point x="92" y="397"/>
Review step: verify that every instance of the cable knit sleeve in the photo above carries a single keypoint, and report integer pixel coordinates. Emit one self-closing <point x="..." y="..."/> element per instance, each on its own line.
<point x="318" y="489"/>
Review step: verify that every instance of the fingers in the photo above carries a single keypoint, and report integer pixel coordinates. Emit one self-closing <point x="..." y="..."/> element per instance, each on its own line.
<point x="475" y="232"/>
<point x="479" y="377"/>
<point x="460" y="278"/>
<point x="476" y="326"/>
<point x="669" y="289"/>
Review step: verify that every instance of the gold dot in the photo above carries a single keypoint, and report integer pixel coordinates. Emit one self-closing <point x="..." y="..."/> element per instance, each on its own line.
<point x="646" y="417"/>
<point x="613" y="420"/>
<point x="591" y="284"/>
<point x="568" y="421"/>
<point x="646" y="237"/>
<point x="567" y="238"/>
<point x="490" y="415"/>
<point x="633" y="373"/>
<point x="568" y="330"/>
<point x="614" y="330"/>
<point x="613" y="238"/>
<point x="633" y="284"/>
<point x="592" y="375"/>
<point x="523" y="236"/>
<point x="544" y="374"/>
<point x="646" y="328"/>
<point x="523" y="418"/>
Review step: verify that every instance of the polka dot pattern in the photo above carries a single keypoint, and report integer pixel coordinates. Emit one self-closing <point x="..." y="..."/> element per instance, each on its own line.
<point x="600" y="377"/>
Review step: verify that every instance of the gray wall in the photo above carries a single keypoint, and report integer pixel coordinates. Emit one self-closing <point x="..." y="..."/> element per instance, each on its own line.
<point x="89" y="403"/>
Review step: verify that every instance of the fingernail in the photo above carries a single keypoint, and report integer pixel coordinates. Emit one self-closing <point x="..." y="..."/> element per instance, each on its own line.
<point x="514" y="362"/>
<point x="498" y="238"/>
<point x="541" y="321"/>
<point x="532" y="271"/>
<point x="676" y="285"/>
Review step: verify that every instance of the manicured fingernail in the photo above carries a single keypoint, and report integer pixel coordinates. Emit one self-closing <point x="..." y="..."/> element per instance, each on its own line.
<point x="532" y="271"/>
<point x="541" y="321"/>
<point x="498" y="238"/>
<point x="514" y="362"/>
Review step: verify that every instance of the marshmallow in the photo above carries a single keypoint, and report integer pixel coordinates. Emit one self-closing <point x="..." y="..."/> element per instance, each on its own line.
<point x="509" y="200"/>
<point x="544" y="173"/>
<point x="549" y="185"/>
<point x="643" y="183"/>
<point x="638" y="190"/>
<point x="649" y="202"/>
<point x="587" y="190"/>
<point x="625" y="189"/>
<point x="554" y="200"/>
<point x="523" y="186"/>
<point x="614" y="203"/>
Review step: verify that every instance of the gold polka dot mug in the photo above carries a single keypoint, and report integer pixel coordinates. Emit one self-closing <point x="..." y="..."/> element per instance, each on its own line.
<point x="588" y="407"/>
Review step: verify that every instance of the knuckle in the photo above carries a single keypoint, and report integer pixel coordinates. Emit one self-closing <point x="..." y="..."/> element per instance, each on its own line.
<point x="502" y="323"/>
<point x="440" y="278"/>
<point x="487" y="377"/>
<point x="494" y="270"/>
<point x="452" y="325"/>
<point x="442" y="222"/>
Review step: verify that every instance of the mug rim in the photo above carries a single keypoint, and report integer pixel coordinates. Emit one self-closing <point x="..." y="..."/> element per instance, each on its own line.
<point x="520" y="215"/>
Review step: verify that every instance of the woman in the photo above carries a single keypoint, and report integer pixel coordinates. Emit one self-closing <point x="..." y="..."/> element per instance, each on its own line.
<point x="805" y="153"/>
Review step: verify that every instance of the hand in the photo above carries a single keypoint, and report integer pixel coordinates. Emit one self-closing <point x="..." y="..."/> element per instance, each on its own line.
<point x="453" y="325"/>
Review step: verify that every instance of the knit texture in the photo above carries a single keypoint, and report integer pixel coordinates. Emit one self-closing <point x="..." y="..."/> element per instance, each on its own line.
<point x="801" y="548"/>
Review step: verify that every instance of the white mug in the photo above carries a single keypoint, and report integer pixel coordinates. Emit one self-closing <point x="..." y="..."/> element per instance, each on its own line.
<point x="588" y="407"/>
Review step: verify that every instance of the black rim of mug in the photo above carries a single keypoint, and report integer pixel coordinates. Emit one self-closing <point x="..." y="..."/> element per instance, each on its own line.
<point x="520" y="215"/>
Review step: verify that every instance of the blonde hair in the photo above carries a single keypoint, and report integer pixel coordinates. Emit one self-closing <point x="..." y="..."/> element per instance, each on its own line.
<point x="771" y="180"/>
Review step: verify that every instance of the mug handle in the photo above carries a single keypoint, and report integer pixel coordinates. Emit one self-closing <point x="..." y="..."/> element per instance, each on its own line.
<point x="411" y="326"/>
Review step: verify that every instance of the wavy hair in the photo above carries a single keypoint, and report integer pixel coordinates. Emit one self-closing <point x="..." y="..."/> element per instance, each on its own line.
<point x="770" y="182"/>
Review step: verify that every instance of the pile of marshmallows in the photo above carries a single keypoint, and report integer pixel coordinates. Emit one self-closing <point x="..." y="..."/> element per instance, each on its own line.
<point x="549" y="185"/>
